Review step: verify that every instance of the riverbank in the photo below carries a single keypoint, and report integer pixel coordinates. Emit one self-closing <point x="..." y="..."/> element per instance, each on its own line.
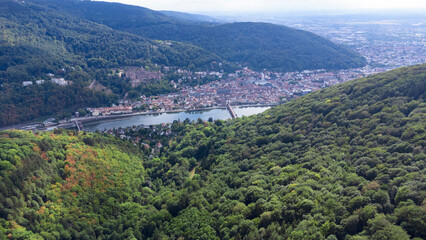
<point x="169" y="117"/>
<point x="108" y="117"/>
<point x="92" y="119"/>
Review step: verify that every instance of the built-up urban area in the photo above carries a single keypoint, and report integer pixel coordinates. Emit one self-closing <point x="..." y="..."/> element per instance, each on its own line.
<point x="243" y="87"/>
<point x="386" y="43"/>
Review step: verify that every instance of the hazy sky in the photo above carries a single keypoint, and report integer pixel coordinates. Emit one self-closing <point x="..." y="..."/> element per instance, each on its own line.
<point x="273" y="5"/>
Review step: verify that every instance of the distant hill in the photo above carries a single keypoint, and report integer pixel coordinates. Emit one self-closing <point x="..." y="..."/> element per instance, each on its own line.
<point x="345" y="162"/>
<point x="192" y="17"/>
<point x="257" y="45"/>
<point x="39" y="39"/>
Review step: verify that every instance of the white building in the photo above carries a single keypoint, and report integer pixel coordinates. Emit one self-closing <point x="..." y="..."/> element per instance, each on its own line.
<point x="27" y="83"/>
<point x="110" y="110"/>
<point x="60" y="81"/>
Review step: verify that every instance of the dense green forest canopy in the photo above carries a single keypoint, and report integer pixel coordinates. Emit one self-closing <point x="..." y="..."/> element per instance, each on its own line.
<point x="346" y="162"/>
<point x="258" y="45"/>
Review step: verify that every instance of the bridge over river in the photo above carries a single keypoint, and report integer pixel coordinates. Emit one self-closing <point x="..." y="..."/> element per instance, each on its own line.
<point x="79" y="125"/>
<point x="230" y="109"/>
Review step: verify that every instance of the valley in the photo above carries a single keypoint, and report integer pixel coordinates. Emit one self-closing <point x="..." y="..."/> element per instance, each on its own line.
<point x="343" y="162"/>
<point x="123" y="122"/>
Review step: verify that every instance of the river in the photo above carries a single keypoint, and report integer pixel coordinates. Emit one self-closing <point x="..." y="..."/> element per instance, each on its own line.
<point x="158" y="118"/>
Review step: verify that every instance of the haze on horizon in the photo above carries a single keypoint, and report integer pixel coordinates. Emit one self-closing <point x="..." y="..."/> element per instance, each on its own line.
<point x="251" y="6"/>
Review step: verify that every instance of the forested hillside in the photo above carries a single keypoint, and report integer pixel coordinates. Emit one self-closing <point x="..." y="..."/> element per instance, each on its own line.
<point x="36" y="40"/>
<point x="257" y="45"/>
<point x="345" y="162"/>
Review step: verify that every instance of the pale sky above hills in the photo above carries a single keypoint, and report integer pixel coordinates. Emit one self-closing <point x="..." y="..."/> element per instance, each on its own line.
<point x="274" y="5"/>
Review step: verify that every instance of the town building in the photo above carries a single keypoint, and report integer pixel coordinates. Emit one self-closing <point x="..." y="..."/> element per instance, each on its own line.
<point x="110" y="110"/>
<point x="59" y="81"/>
<point x="27" y="83"/>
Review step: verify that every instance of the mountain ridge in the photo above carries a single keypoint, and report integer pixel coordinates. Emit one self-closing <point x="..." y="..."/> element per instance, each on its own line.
<point x="192" y="17"/>
<point x="248" y="43"/>
<point x="90" y="36"/>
